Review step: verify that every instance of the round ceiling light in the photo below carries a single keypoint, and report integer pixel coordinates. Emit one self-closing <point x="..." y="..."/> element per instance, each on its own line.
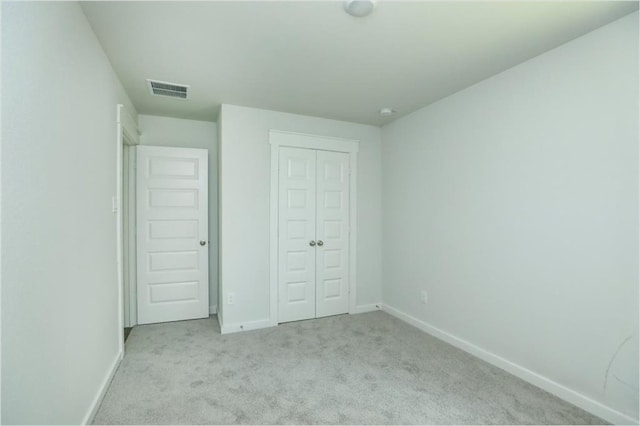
<point x="385" y="112"/>
<point x="359" y="8"/>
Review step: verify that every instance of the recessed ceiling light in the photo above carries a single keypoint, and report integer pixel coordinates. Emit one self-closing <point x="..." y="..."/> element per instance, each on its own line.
<point x="359" y="8"/>
<point x="385" y="112"/>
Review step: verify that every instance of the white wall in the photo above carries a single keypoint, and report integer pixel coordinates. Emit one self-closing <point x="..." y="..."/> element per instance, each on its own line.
<point x="245" y="164"/>
<point x="514" y="203"/>
<point x="59" y="284"/>
<point x="165" y="131"/>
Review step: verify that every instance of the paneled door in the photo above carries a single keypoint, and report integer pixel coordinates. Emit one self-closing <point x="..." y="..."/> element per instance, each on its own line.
<point x="172" y="234"/>
<point x="297" y="234"/>
<point x="332" y="233"/>
<point x="313" y="228"/>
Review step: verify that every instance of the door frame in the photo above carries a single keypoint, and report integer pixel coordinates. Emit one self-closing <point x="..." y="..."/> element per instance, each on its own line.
<point x="126" y="134"/>
<point x="129" y="235"/>
<point x="280" y="138"/>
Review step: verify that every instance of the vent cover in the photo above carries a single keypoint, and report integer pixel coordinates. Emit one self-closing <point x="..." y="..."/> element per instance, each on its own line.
<point x="164" y="88"/>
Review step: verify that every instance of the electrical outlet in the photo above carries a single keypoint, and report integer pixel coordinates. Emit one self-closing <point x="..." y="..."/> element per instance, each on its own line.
<point x="424" y="297"/>
<point x="231" y="298"/>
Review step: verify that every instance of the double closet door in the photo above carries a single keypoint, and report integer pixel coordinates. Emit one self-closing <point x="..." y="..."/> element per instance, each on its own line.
<point x="313" y="234"/>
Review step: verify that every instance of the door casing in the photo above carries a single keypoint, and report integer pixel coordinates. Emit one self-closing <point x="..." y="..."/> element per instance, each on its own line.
<point x="277" y="139"/>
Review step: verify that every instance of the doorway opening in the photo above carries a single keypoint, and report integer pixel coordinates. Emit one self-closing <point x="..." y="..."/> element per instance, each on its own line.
<point x="124" y="205"/>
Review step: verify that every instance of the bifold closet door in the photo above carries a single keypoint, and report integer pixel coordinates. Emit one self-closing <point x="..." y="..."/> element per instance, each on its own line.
<point x="313" y="234"/>
<point x="296" y="234"/>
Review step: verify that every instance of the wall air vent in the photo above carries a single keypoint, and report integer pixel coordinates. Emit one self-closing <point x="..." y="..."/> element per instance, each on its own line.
<point x="172" y="90"/>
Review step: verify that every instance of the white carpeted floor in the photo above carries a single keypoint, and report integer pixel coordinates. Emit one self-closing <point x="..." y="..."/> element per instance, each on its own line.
<point x="350" y="369"/>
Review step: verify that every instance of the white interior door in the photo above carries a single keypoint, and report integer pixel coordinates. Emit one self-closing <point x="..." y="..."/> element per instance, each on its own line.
<point x="172" y="234"/>
<point x="296" y="236"/>
<point x="313" y="234"/>
<point x="332" y="233"/>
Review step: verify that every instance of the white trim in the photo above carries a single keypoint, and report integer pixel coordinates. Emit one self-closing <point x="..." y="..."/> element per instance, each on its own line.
<point x="594" y="407"/>
<point x="277" y="139"/>
<point x="213" y="309"/>
<point x="131" y="222"/>
<point x="119" y="243"/>
<point x="361" y="309"/>
<point x="273" y="239"/>
<point x="97" y="400"/>
<point x="125" y="237"/>
<point x="128" y="126"/>
<point x="353" y="227"/>
<point x="244" y="326"/>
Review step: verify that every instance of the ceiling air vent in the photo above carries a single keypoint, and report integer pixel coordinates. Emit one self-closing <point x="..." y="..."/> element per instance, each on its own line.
<point x="163" y="88"/>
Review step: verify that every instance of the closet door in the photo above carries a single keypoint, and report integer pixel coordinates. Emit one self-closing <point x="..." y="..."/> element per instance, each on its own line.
<point x="332" y="233"/>
<point x="296" y="234"/>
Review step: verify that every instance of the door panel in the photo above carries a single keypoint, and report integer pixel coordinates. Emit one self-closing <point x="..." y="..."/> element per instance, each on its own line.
<point x="296" y="225"/>
<point x="172" y="220"/>
<point x="332" y="257"/>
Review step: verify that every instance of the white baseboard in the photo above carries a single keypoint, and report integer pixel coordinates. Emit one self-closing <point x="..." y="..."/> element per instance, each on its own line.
<point x="213" y="309"/>
<point x="594" y="407"/>
<point x="97" y="400"/>
<point x="245" y="326"/>
<point x="361" y="309"/>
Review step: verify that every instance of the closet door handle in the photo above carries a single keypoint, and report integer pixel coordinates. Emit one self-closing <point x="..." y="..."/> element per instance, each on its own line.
<point x="320" y="243"/>
<point x="312" y="243"/>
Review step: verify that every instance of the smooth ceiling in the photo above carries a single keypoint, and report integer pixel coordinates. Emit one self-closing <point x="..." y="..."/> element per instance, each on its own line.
<point x="311" y="58"/>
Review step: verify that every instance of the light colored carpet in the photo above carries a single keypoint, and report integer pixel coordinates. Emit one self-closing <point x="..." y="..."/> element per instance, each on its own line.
<point x="351" y="369"/>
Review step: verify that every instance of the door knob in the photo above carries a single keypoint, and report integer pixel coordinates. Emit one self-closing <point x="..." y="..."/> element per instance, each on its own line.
<point x="320" y="243"/>
<point x="203" y="243"/>
<point x="312" y="243"/>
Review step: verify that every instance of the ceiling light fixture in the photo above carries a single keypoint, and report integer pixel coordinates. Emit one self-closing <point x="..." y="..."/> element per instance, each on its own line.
<point x="385" y="112"/>
<point x="359" y="8"/>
